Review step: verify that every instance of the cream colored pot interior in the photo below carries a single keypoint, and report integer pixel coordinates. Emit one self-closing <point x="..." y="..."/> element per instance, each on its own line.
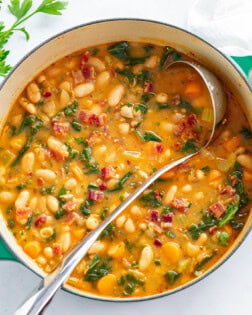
<point x="109" y="31"/>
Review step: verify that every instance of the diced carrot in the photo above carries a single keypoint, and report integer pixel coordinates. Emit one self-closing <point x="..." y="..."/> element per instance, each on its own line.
<point x="106" y="284"/>
<point x="247" y="176"/>
<point x="228" y="229"/>
<point x="193" y="88"/>
<point x="168" y="175"/>
<point x="32" y="249"/>
<point x="78" y="234"/>
<point x="117" y="250"/>
<point x="172" y="252"/>
<point x="232" y="144"/>
<point x="214" y="174"/>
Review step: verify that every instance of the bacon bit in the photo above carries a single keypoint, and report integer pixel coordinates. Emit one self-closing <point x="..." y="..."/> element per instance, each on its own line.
<point x="88" y="72"/>
<point x="228" y="190"/>
<point x="70" y="206"/>
<point x="94" y="138"/>
<point x="78" y="77"/>
<point x="167" y="217"/>
<point x="148" y="87"/>
<point x="103" y="186"/>
<point x="57" y="249"/>
<point x="23" y="212"/>
<point x="187" y="128"/>
<point x="217" y="209"/>
<point x="40" y="220"/>
<point x="213" y="229"/>
<point x="180" y="204"/>
<point x="30" y="174"/>
<point x="47" y="94"/>
<point x="107" y="172"/>
<point x="71" y="218"/>
<point x="87" y="117"/>
<point x="154" y="216"/>
<point x="60" y="128"/>
<point x="183" y="168"/>
<point x="175" y="101"/>
<point x="40" y="181"/>
<point x="95" y="195"/>
<point x="157" y="243"/>
<point x="158" y="195"/>
<point x="85" y="57"/>
<point x="177" y="146"/>
<point x="159" y="148"/>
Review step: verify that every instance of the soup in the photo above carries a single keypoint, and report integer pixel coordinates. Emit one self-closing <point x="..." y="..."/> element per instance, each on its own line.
<point x="86" y="132"/>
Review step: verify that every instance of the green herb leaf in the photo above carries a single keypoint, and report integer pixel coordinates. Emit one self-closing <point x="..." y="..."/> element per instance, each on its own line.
<point x="246" y="133"/>
<point x="142" y="107"/>
<point x="229" y="214"/>
<point x="29" y="222"/>
<point x="172" y="276"/>
<point x="127" y="73"/>
<point x="108" y="232"/>
<point x="151" y="199"/>
<point x="53" y="7"/>
<point x="151" y="136"/>
<point x="122" y="181"/>
<point x="22" y="152"/>
<point x="206" y="169"/>
<point x="97" y="269"/>
<point x="18" y="9"/>
<point x="237" y="173"/>
<point x="120" y="50"/>
<point x="223" y="238"/>
<point x="189" y="146"/>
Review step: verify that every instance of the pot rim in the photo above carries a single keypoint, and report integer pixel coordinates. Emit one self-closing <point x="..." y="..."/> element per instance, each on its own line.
<point x="221" y="261"/>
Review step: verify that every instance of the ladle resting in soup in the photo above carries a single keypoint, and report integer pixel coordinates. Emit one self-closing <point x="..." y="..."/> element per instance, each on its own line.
<point x="92" y="127"/>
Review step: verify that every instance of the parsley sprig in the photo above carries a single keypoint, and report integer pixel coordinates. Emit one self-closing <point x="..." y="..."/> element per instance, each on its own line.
<point x="22" y="11"/>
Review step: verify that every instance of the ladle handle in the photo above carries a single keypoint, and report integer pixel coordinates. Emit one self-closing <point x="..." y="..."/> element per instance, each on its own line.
<point x="38" y="301"/>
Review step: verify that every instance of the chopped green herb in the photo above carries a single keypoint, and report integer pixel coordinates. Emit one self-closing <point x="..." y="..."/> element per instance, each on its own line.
<point x="94" y="51"/>
<point x="208" y="221"/>
<point x="84" y="208"/>
<point x="76" y="125"/>
<point x="51" y="238"/>
<point x="108" y="232"/>
<point x="126" y="73"/>
<point x="59" y="214"/>
<point x="204" y="261"/>
<point x="22" y="152"/>
<point x="169" y="53"/>
<point x="237" y="173"/>
<point x="97" y="269"/>
<point x="172" y="276"/>
<point x="223" y="238"/>
<point x="48" y="190"/>
<point x="206" y="169"/>
<point x="170" y="234"/>
<point x="189" y="146"/>
<point x="142" y="107"/>
<point x="29" y="222"/>
<point x="130" y="283"/>
<point x="246" y="133"/>
<point x="104" y="213"/>
<point x="151" y="136"/>
<point x="20" y="186"/>
<point x="229" y="214"/>
<point x="122" y="181"/>
<point x="157" y="262"/>
<point x="71" y="109"/>
<point x="151" y="199"/>
<point x="120" y="50"/>
<point x="10" y="223"/>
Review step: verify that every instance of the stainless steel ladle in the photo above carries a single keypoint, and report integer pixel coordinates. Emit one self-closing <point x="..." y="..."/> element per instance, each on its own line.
<point x="36" y="303"/>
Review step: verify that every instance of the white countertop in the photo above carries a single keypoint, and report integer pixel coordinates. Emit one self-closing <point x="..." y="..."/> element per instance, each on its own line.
<point x="227" y="291"/>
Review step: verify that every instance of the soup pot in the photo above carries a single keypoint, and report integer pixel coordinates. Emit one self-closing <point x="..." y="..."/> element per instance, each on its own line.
<point x="100" y="32"/>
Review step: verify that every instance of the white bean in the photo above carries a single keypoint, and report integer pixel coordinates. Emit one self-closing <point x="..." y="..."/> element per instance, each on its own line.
<point x="92" y="222"/>
<point x="57" y="146"/>
<point x="120" y="221"/>
<point x="64" y="98"/>
<point x="146" y="258"/>
<point x="115" y="95"/>
<point x="169" y="195"/>
<point x="33" y="203"/>
<point x="7" y="197"/>
<point x="33" y="92"/>
<point x="83" y="89"/>
<point x="48" y="252"/>
<point x="29" y="107"/>
<point x="129" y="226"/>
<point x="96" y="248"/>
<point x="27" y="162"/>
<point x="200" y="174"/>
<point x="71" y="183"/>
<point x="124" y="128"/>
<point x="192" y="250"/>
<point x="199" y="195"/>
<point x="96" y="63"/>
<point x="161" y="97"/>
<point x="52" y="203"/>
<point x="245" y="160"/>
<point x="46" y="174"/>
<point x="49" y="108"/>
<point x="127" y="112"/>
<point x="187" y="188"/>
<point x="102" y="79"/>
<point x="136" y="211"/>
<point x="65" y="240"/>
<point x="22" y="199"/>
<point x="151" y="62"/>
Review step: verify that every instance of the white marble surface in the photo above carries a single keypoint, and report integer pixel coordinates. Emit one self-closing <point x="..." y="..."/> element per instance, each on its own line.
<point x="225" y="292"/>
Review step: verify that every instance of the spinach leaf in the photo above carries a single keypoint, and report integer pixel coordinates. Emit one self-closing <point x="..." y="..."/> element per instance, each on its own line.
<point x="91" y="166"/>
<point x="71" y="109"/>
<point x="129" y="283"/>
<point x="237" y="174"/>
<point x="127" y="73"/>
<point x="229" y="214"/>
<point x="171" y="53"/>
<point x="151" y="136"/>
<point x="223" y="238"/>
<point x="246" y="133"/>
<point x="142" y="107"/>
<point x="204" y="261"/>
<point x="189" y="146"/>
<point x="97" y="269"/>
<point x="151" y="199"/>
<point x="84" y="207"/>
<point x="122" y="181"/>
<point x="59" y="214"/>
<point x="29" y="222"/>
<point x="76" y="125"/>
<point x="207" y="221"/>
<point x="108" y="232"/>
<point x="120" y="50"/>
<point x="31" y="121"/>
<point x="172" y="276"/>
<point x="48" y="190"/>
<point x="22" y="152"/>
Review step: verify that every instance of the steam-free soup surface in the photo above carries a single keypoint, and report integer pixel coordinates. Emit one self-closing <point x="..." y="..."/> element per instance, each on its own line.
<point x="86" y="132"/>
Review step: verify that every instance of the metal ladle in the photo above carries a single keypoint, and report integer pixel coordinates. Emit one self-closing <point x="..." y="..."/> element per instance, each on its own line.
<point x="36" y="303"/>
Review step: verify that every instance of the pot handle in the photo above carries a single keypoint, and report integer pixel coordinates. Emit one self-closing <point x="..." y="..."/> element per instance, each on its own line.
<point x="245" y="63"/>
<point x="5" y="252"/>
